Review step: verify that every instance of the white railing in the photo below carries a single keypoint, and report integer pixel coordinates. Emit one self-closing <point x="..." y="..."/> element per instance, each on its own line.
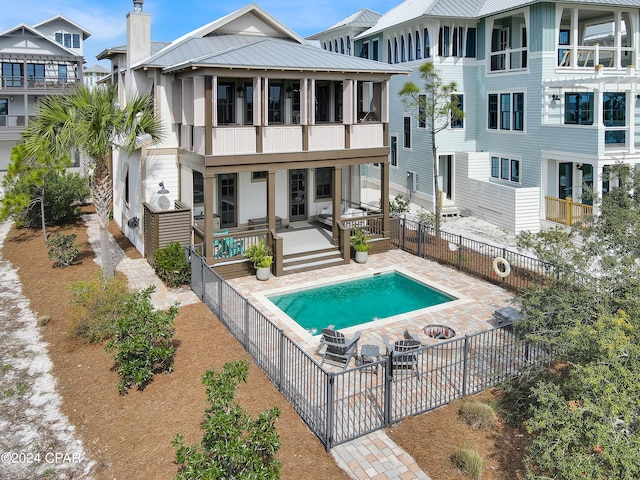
<point x="234" y="140"/>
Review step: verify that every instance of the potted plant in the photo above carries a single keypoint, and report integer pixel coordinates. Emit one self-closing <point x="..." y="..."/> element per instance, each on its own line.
<point x="260" y="255"/>
<point x="361" y="245"/>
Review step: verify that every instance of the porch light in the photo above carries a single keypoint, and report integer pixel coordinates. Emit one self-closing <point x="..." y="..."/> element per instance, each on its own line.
<point x="162" y="191"/>
<point x="240" y="92"/>
<point x="637" y="97"/>
<point x="289" y="92"/>
<point x="555" y="98"/>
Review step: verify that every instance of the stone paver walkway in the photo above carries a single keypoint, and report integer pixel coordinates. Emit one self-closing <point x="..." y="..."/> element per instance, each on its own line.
<point x="374" y="456"/>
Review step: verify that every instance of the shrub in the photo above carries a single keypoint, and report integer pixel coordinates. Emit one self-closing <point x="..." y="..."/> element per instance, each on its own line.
<point x="428" y="218"/>
<point x="143" y="340"/>
<point x="478" y="415"/>
<point x="233" y="445"/>
<point x="96" y="306"/>
<point x="468" y="461"/>
<point x="63" y="193"/>
<point x="62" y="249"/>
<point x="399" y="205"/>
<point x="171" y="265"/>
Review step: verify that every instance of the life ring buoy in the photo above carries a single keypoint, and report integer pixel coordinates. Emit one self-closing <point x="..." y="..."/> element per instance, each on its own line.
<point x="499" y="261"/>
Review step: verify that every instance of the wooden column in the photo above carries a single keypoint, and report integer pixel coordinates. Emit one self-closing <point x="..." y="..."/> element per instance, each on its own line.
<point x="208" y="115"/>
<point x="209" y="210"/>
<point x="271" y="199"/>
<point x="337" y="201"/>
<point x="384" y="198"/>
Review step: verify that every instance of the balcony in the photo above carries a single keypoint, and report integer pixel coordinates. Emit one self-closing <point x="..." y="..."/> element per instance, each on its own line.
<point x="509" y="60"/>
<point x="15" y="83"/>
<point x="10" y="121"/>
<point x="589" y="57"/>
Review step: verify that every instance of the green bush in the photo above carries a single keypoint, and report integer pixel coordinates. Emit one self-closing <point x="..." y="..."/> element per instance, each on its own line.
<point x="143" y="340"/>
<point x="171" y="265"/>
<point x="234" y="445"/>
<point x="97" y="304"/>
<point x="399" y="205"/>
<point x="63" y="249"/>
<point x="478" y="415"/>
<point x="468" y="461"/>
<point x="63" y="193"/>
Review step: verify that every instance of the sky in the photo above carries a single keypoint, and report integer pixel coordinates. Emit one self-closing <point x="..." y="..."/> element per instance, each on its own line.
<point x="170" y="19"/>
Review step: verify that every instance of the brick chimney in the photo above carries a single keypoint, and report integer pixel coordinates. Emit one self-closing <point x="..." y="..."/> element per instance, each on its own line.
<point x="138" y="34"/>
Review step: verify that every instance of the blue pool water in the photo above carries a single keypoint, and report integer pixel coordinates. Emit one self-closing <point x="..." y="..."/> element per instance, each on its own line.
<point x="358" y="301"/>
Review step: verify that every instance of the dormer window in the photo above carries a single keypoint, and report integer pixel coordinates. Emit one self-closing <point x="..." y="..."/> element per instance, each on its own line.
<point x="69" y="40"/>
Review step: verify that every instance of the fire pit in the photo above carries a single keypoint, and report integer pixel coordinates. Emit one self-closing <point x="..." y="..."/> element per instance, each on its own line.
<point x="439" y="332"/>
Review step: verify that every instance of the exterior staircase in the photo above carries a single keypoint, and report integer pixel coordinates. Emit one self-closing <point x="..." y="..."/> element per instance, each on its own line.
<point x="449" y="209"/>
<point x="313" y="260"/>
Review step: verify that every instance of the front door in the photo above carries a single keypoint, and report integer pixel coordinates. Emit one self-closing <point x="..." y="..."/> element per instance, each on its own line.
<point x="227" y="200"/>
<point x="565" y="180"/>
<point x="298" y="195"/>
<point x="445" y="168"/>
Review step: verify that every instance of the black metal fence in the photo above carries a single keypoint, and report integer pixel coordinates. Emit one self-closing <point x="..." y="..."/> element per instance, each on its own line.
<point x="467" y="255"/>
<point x="341" y="406"/>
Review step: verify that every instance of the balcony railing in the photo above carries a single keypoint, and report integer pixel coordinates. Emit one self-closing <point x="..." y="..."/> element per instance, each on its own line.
<point x="567" y="212"/>
<point x="12" y="121"/>
<point x="509" y="59"/>
<point x="591" y="56"/>
<point x="44" y="83"/>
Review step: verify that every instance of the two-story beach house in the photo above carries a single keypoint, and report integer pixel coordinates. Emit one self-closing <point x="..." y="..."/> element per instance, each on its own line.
<point x="38" y="60"/>
<point x="262" y="132"/>
<point x="550" y="96"/>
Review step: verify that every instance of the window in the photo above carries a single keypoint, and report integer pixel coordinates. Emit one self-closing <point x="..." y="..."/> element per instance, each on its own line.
<point x="12" y="74"/>
<point x="323" y="182"/>
<point x="443" y="42"/>
<point x="35" y="74"/>
<point x="403" y="50"/>
<point x="470" y="51"/>
<point x="348" y="45"/>
<point x="394" y="151"/>
<point x="493" y="111"/>
<point x="422" y="111"/>
<point x="614" y="115"/>
<point x="275" y="103"/>
<point x="407" y="132"/>
<point x="226" y="109"/>
<point x="76" y="40"/>
<point x="248" y="104"/>
<point x="410" y="47"/>
<point x="427" y="46"/>
<point x="67" y="40"/>
<point x="261" y="175"/>
<point x="505" y="111"/>
<point x="62" y="73"/>
<point x="505" y="169"/>
<point x="457" y="121"/>
<point x="364" y="51"/>
<point x="389" y="57"/>
<point x="458" y="37"/>
<point x="126" y="187"/>
<point x="395" y="50"/>
<point x="518" y="111"/>
<point x="375" y="50"/>
<point x="335" y="44"/>
<point x="59" y="37"/>
<point x="418" y="50"/>
<point x="578" y="108"/>
<point x="198" y="188"/>
<point x="342" y="46"/>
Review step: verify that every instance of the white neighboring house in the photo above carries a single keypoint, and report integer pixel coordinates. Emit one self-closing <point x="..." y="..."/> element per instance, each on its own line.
<point x="43" y="59"/>
<point x="550" y="95"/>
<point x="261" y="129"/>
<point x="94" y="74"/>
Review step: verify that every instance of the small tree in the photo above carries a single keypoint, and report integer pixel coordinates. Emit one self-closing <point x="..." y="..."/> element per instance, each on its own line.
<point x="434" y="106"/>
<point x="143" y="340"/>
<point x="234" y="445"/>
<point x="26" y="182"/>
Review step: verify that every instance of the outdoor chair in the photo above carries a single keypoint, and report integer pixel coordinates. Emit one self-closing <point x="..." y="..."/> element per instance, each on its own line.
<point x="405" y="354"/>
<point x="339" y="350"/>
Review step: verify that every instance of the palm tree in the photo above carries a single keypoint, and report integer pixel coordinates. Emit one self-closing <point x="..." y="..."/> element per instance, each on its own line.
<point x="92" y="122"/>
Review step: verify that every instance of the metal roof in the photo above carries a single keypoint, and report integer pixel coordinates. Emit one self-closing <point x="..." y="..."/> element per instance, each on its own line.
<point x="364" y="18"/>
<point x="268" y="54"/>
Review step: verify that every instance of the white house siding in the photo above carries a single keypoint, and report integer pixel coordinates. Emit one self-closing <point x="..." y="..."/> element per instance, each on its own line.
<point x="509" y="207"/>
<point x="123" y="212"/>
<point x="160" y="168"/>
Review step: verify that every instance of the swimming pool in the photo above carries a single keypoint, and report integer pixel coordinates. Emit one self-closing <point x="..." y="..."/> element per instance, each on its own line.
<point x="353" y="302"/>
